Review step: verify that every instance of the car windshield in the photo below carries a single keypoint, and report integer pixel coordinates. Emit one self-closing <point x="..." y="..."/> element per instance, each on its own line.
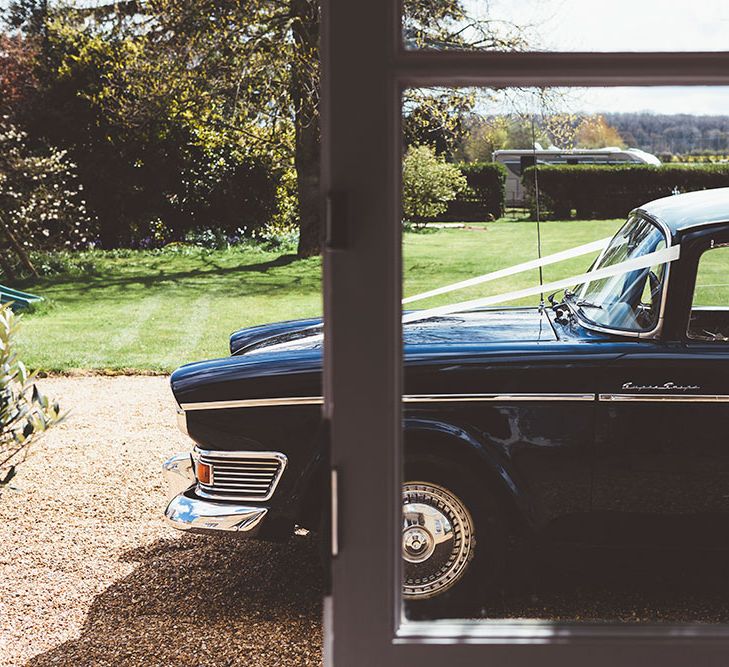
<point x="629" y="301"/>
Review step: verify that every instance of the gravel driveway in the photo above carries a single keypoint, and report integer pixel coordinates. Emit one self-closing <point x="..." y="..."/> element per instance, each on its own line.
<point x="90" y="575"/>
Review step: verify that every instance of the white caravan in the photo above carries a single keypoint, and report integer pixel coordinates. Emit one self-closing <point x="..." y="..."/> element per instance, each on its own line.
<point x="517" y="160"/>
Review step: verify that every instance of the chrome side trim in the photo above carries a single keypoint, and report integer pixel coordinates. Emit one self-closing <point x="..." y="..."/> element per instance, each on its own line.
<point x="671" y="398"/>
<point x="254" y="403"/>
<point x="408" y="398"/>
<point x="490" y="398"/>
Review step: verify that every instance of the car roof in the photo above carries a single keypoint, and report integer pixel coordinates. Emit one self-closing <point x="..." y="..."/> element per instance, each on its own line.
<point x="693" y="209"/>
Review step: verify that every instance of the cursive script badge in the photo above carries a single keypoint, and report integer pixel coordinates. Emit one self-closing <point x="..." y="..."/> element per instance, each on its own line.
<point x="666" y="386"/>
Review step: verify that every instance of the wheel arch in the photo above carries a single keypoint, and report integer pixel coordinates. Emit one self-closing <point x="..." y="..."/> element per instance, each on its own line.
<point x="457" y="446"/>
<point x="444" y="443"/>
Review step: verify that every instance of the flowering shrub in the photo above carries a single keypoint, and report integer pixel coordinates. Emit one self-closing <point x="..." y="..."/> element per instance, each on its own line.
<point x="41" y="207"/>
<point x="280" y="235"/>
<point x="216" y="238"/>
<point x="25" y="413"/>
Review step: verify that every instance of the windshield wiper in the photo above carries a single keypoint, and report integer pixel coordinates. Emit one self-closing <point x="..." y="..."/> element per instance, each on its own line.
<point x="554" y="303"/>
<point x="587" y="304"/>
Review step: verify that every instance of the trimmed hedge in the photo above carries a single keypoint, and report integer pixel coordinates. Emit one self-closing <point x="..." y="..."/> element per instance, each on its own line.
<point x="612" y="191"/>
<point x="485" y="197"/>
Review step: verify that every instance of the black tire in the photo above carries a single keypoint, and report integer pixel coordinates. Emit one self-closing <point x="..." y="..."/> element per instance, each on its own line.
<point x="476" y="586"/>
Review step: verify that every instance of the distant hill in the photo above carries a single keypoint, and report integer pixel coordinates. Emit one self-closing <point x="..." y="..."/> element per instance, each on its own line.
<point x="672" y="133"/>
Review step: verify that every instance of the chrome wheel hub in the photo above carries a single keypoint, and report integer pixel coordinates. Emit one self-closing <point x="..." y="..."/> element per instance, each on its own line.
<point x="438" y="540"/>
<point x="417" y="544"/>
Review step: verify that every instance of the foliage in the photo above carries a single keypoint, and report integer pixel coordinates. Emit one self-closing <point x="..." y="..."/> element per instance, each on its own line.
<point x="18" y="81"/>
<point x="40" y="201"/>
<point x="429" y="184"/>
<point x="485" y="196"/>
<point x="482" y="135"/>
<point x="435" y="117"/>
<point x="609" y="191"/>
<point x="279" y="235"/>
<point x="595" y="132"/>
<point x="143" y="156"/>
<point x="147" y="97"/>
<point x="451" y="24"/>
<point x="25" y="413"/>
<point x="63" y="262"/>
<point x="241" y="80"/>
<point x="672" y="133"/>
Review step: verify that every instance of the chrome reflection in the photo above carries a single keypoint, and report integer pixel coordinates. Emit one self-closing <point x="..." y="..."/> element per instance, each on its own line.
<point x="438" y="540"/>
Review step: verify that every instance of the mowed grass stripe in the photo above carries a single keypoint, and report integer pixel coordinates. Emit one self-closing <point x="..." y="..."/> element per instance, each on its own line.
<point x="129" y="330"/>
<point x="190" y="335"/>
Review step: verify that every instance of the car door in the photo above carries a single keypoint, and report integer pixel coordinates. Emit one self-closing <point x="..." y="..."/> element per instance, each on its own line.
<point x="661" y="465"/>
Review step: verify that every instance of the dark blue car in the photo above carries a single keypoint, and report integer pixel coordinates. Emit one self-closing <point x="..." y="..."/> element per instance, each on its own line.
<point x="601" y="418"/>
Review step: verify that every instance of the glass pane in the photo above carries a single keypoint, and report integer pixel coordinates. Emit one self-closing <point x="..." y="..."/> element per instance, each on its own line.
<point x="553" y="469"/>
<point x="567" y="25"/>
<point x="710" y="308"/>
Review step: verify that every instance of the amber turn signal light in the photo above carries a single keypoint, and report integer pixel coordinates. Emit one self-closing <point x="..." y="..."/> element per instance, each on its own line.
<point x="203" y="472"/>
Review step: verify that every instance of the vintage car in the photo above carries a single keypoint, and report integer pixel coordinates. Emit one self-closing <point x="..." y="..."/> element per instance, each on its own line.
<point x="600" y="418"/>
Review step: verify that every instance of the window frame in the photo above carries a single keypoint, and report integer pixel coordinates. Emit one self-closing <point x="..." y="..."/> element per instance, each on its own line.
<point x="365" y="68"/>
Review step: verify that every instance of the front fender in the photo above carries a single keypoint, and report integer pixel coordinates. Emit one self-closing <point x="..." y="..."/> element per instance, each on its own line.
<point x="463" y="446"/>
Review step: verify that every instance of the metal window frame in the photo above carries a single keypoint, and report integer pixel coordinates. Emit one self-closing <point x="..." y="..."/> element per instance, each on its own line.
<point x="364" y="70"/>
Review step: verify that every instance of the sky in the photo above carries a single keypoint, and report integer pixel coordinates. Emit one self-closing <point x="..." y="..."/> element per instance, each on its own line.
<point x="615" y="25"/>
<point x="693" y="100"/>
<point x="625" y="25"/>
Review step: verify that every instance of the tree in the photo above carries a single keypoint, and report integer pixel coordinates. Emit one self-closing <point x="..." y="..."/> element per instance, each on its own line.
<point x="594" y="132"/>
<point x="482" y="137"/>
<point x="40" y="201"/>
<point x="247" y="71"/>
<point x="436" y="117"/>
<point x="18" y="81"/>
<point x="429" y="183"/>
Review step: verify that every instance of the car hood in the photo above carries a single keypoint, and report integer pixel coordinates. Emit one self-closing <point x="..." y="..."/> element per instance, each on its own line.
<point x="284" y="359"/>
<point x="486" y="326"/>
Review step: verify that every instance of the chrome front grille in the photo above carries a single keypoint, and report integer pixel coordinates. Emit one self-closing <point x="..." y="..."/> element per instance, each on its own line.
<point x="242" y="475"/>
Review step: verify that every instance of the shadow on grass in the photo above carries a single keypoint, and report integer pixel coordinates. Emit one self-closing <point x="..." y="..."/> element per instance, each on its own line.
<point x="149" y="276"/>
<point x="209" y="601"/>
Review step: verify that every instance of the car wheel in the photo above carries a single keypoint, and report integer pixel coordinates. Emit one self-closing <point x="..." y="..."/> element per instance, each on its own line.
<point x="452" y="543"/>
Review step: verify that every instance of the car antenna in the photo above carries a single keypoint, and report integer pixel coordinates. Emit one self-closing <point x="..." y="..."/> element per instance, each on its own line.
<point x="537" y="211"/>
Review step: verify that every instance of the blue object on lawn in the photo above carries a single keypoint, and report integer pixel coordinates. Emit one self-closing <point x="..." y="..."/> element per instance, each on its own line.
<point x="18" y="299"/>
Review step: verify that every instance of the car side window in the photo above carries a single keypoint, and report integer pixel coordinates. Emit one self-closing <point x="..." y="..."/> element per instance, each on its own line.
<point x="709" y="319"/>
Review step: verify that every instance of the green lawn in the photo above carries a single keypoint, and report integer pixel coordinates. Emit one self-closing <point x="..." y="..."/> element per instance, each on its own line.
<point x="157" y="310"/>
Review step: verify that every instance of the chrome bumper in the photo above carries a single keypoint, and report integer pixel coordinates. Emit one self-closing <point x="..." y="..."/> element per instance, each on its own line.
<point x="185" y="511"/>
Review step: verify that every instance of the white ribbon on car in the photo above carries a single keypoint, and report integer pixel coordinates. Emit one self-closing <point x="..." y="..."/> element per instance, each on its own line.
<point x="666" y="255"/>
<point x="586" y="249"/>
<point x="669" y="254"/>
